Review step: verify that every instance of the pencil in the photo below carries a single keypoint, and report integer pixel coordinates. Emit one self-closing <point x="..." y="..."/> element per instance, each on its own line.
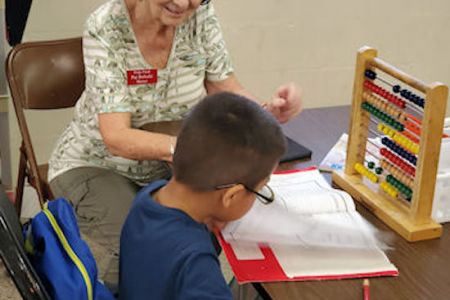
<point x="366" y="289"/>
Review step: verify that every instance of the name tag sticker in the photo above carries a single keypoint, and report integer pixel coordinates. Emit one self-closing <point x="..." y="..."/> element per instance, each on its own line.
<point x="145" y="76"/>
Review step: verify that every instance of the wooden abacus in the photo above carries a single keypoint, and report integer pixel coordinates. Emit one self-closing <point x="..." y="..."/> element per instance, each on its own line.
<point x="400" y="189"/>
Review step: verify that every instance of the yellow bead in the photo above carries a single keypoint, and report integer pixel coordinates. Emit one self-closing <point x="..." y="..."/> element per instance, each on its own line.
<point x="374" y="178"/>
<point x="391" y="132"/>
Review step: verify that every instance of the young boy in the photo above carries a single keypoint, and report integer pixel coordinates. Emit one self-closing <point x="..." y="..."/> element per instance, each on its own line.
<point x="227" y="148"/>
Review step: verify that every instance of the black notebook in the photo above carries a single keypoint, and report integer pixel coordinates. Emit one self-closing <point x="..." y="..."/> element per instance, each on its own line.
<point x="295" y="151"/>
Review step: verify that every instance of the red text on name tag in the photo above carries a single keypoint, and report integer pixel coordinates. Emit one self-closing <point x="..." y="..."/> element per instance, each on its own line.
<point x="145" y="76"/>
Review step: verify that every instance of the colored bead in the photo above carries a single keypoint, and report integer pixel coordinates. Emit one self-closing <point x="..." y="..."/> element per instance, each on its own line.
<point x="378" y="170"/>
<point x="421" y="102"/>
<point x="372" y="177"/>
<point x="396" y="88"/>
<point x="370" y="74"/>
<point x="403" y="93"/>
<point x="408" y="94"/>
<point x="371" y="165"/>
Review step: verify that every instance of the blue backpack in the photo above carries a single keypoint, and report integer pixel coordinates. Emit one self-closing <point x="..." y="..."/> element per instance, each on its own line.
<point x="61" y="258"/>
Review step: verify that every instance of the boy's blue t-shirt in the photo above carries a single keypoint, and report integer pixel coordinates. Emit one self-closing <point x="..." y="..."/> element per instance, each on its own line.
<point x="165" y="254"/>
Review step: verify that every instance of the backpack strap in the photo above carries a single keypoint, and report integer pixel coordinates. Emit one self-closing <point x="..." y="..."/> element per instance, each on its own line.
<point x="73" y="256"/>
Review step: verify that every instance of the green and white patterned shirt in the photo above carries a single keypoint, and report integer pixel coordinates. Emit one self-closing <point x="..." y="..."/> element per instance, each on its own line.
<point x="110" y="50"/>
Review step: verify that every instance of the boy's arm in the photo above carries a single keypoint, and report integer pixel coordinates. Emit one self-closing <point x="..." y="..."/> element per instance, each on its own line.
<point x="200" y="278"/>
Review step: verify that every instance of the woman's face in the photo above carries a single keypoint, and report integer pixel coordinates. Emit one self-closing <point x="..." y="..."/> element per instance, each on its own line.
<point x="173" y="12"/>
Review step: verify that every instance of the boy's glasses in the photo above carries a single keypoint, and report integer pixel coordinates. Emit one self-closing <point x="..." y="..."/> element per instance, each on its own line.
<point x="265" y="195"/>
<point x="204" y="2"/>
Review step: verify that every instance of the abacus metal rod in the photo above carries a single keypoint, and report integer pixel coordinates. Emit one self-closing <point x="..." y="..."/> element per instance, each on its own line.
<point x="385" y="81"/>
<point x="376" y="133"/>
<point x="374" y="155"/>
<point x="377" y="146"/>
<point x="414" y="107"/>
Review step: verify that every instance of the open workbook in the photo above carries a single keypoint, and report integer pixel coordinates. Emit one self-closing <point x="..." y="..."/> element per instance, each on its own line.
<point x="311" y="231"/>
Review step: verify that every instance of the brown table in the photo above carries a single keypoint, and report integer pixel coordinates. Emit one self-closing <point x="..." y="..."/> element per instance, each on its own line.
<point x="424" y="266"/>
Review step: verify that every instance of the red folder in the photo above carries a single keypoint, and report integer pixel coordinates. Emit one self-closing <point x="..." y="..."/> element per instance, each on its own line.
<point x="269" y="270"/>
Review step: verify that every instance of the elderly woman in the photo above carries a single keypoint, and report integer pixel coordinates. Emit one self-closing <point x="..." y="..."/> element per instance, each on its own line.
<point x="145" y="61"/>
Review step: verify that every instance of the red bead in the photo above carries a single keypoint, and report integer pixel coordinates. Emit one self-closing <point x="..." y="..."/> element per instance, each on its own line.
<point x="392" y="99"/>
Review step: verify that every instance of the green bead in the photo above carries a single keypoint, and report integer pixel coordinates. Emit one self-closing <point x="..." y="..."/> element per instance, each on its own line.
<point x="370" y="164"/>
<point x="379" y="170"/>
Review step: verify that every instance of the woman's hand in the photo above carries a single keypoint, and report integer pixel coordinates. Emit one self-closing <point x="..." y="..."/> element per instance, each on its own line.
<point x="122" y="140"/>
<point x="286" y="103"/>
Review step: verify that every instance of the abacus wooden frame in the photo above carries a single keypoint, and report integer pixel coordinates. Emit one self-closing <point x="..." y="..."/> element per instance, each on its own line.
<point x="413" y="222"/>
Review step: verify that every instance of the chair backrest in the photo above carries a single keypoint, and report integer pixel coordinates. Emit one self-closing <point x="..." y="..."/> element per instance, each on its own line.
<point x="46" y="75"/>
<point x="13" y="254"/>
<point x="42" y="75"/>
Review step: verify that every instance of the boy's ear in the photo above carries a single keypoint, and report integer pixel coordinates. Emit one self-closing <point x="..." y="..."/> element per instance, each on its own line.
<point x="232" y="194"/>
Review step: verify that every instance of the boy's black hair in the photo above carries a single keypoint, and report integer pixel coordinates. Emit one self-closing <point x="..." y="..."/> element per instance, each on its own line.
<point x="227" y="139"/>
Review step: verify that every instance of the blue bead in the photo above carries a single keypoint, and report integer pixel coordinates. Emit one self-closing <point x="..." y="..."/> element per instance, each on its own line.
<point x="421" y="102"/>
<point x="409" y="95"/>
<point x="370" y="74"/>
<point x="403" y="93"/>
<point x="396" y="88"/>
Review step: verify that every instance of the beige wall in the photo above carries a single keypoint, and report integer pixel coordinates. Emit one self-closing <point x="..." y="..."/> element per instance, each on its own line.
<point x="312" y="43"/>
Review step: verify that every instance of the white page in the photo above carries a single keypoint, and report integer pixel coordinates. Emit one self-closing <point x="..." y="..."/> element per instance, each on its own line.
<point x="308" y="192"/>
<point x="319" y="261"/>
<point x="301" y="215"/>
<point x="246" y="251"/>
